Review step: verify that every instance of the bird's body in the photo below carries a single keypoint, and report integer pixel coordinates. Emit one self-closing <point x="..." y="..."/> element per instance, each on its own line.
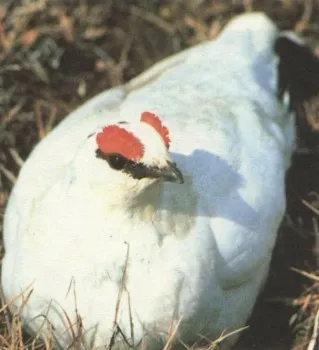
<point x="143" y="254"/>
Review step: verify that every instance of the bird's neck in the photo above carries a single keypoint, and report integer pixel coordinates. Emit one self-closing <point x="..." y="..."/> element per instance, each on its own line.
<point x="170" y="209"/>
<point x="144" y="206"/>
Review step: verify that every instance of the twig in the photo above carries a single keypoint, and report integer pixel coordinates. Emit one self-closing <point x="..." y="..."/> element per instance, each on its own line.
<point x="5" y="311"/>
<point x="305" y="19"/>
<point x="16" y="157"/>
<point x="153" y="19"/>
<point x="131" y="318"/>
<point x="315" y="333"/>
<point x="8" y="174"/>
<point x="223" y="337"/>
<point x="39" y="119"/>
<point x="306" y="274"/>
<point x="311" y="207"/>
<point x="172" y="334"/>
<point x="119" y="297"/>
<point x="316" y="234"/>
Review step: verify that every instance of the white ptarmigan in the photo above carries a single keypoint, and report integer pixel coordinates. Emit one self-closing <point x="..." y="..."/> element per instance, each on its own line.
<point x="159" y="201"/>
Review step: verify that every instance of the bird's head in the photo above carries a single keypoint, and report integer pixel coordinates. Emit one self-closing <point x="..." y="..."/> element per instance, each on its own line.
<point x="135" y="155"/>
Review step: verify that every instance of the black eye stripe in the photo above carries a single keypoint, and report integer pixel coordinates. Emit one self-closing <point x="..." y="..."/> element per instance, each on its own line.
<point x="137" y="170"/>
<point x="118" y="162"/>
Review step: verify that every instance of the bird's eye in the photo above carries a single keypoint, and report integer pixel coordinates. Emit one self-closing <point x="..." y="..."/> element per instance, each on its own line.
<point x="116" y="161"/>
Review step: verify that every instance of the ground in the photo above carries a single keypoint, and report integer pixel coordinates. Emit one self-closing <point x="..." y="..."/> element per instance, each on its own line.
<point x="54" y="55"/>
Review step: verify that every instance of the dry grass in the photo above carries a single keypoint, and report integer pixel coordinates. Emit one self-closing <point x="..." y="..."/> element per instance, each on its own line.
<point x="54" y="55"/>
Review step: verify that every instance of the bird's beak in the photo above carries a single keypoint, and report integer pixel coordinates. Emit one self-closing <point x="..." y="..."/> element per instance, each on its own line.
<point x="170" y="173"/>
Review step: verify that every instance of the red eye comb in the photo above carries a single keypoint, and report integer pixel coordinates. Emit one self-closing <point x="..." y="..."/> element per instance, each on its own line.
<point x="156" y="123"/>
<point x="114" y="139"/>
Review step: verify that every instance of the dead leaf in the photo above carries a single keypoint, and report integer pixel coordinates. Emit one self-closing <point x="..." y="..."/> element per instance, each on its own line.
<point x="66" y="23"/>
<point x="29" y="37"/>
<point x="94" y="33"/>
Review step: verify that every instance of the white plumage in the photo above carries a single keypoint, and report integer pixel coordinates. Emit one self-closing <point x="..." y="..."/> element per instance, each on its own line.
<point x="200" y="250"/>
